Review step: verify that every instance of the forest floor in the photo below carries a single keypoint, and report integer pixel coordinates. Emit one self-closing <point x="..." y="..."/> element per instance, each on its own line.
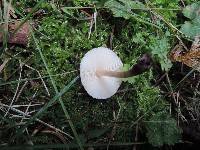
<point x="43" y="104"/>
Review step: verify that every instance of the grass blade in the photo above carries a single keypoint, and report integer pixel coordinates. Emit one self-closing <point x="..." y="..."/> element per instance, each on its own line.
<point x="45" y="107"/>
<point x="56" y="90"/>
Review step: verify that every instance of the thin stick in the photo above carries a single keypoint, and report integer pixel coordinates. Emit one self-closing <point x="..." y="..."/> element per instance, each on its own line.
<point x="4" y="64"/>
<point x="20" y="75"/>
<point x="38" y="120"/>
<point x="40" y="78"/>
<point x="32" y="105"/>
<point x="25" y="114"/>
<point x="20" y="91"/>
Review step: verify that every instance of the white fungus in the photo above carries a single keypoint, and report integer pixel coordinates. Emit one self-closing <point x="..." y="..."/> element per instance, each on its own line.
<point x="100" y="59"/>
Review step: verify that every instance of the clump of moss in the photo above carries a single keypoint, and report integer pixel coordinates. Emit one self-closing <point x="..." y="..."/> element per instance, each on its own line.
<point x="63" y="39"/>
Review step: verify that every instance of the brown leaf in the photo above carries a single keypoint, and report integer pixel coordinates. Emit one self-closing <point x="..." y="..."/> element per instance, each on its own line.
<point x="20" y="37"/>
<point x="189" y="58"/>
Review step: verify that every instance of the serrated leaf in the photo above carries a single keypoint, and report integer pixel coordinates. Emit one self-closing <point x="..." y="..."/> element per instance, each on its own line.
<point x="122" y="8"/>
<point x="192" y="28"/>
<point x="162" y="129"/>
<point x="160" y="50"/>
<point x="192" y="11"/>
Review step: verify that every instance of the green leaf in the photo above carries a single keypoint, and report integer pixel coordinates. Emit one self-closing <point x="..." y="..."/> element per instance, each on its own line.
<point x="192" y="28"/>
<point x="160" y="51"/>
<point x="122" y="8"/>
<point x="192" y="11"/>
<point x="162" y="129"/>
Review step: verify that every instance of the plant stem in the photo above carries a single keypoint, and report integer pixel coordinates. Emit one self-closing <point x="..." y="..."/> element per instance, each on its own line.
<point x="142" y="66"/>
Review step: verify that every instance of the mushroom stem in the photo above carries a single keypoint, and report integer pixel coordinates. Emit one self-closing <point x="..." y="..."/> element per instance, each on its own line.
<point x="144" y="64"/>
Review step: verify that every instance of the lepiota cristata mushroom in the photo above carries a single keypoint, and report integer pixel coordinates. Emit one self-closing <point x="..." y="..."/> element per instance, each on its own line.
<point x="100" y="72"/>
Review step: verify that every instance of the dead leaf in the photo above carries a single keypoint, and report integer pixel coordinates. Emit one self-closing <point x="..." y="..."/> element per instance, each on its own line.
<point x="189" y="58"/>
<point x="3" y="65"/>
<point x="21" y="36"/>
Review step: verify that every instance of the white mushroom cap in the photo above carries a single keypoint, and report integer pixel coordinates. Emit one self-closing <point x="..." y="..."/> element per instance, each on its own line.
<point x="100" y="58"/>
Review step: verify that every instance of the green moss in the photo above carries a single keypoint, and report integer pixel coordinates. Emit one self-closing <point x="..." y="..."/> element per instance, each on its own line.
<point x="64" y="42"/>
<point x="63" y="39"/>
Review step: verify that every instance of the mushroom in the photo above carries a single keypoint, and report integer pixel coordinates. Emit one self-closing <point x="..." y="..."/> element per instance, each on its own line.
<point x="100" y="71"/>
